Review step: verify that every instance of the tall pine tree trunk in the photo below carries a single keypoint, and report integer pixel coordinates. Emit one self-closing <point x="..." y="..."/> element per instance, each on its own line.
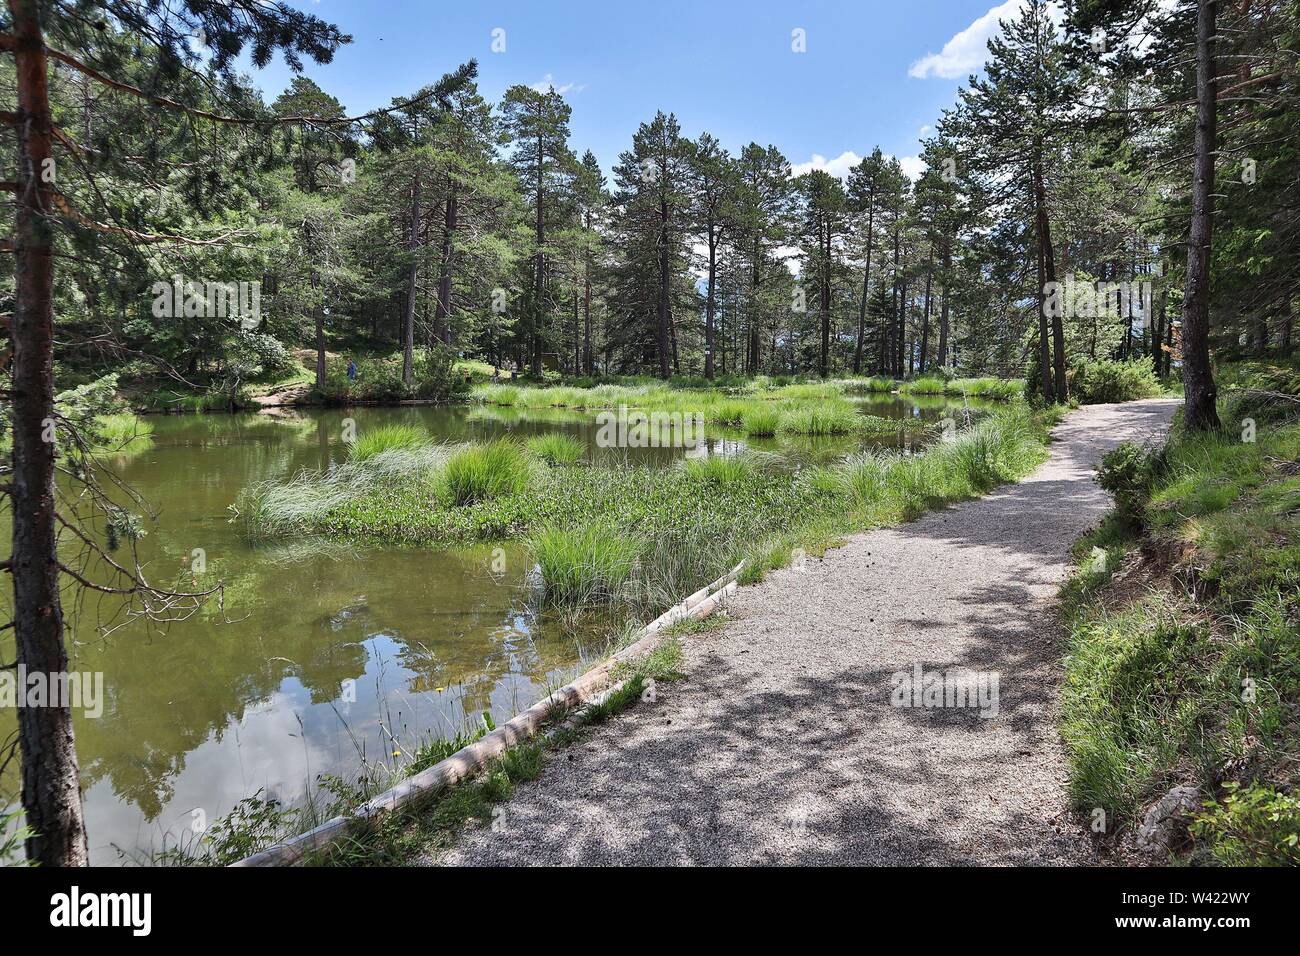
<point x="709" y="305"/>
<point x="539" y="265"/>
<point x="925" y="320"/>
<point x="1044" y="349"/>
<point x="665" y="286"/>
<point x="866" y="287"/>
<point x="442" y="327"/>
<point x="1200" y="413"/>
<point x="412" y="287"/>
<point x="946" y="265"/>
<point x="51" y="789"/>
<point x="1158" y="321"/>
<point x="588" y="360"/>
<point x="824" y="301"/>
<point x="1047" y="261"/>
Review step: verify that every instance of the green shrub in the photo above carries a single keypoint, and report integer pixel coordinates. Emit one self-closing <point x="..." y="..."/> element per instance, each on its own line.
<point x="1106" y="380"/>
<point x="433" y="378"/>
<point x="583" y="566"/>
<point x="482" y="472"/>
<point x="1251" y="826"/>
<point x="556" y="448"/>
<point x="1126" y="472"/>
<point x="372" y="441"/>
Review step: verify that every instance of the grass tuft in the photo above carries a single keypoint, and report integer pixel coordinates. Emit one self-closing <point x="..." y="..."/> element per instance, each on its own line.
<point x="373" y="441"/>
<point x="483" y="472"/>
<point x="556" y="448"/>
<point x="585" y="566"/>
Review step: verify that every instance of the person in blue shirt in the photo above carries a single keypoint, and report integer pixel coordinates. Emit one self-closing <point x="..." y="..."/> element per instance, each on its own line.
<point x="352" y="371"/>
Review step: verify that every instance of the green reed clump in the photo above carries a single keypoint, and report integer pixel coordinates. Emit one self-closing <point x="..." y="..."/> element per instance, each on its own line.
<point x="864" y="476"/>
<point x="506" y="395"/>
<point x="929" y="385"/>
<point x="300" y="503"/>
<point x="121" y="432"/>
<point x="822" y="418"/>
<point x="556" y="448"/>
<point x="720" y="469"/>
<point x="583" y="566"/>
<point x="761" y="421"/>
<point x="482" y="472"/>
<point x="371" y="441"/>
<point x="1001" y="389"/>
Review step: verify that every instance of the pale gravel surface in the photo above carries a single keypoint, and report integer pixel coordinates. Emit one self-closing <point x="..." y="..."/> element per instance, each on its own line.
<point x="782" y="746"/>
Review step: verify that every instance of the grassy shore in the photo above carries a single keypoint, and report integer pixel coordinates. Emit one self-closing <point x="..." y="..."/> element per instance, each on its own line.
<point x="1184" y="652"/>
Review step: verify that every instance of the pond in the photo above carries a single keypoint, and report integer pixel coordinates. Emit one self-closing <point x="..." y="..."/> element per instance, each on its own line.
<point x="324" y="655"/>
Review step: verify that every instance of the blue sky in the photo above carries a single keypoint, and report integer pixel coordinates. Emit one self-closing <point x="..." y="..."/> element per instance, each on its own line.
<point x="875" y="72"/>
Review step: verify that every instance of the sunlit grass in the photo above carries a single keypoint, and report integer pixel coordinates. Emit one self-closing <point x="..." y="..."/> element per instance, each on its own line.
<point x="482" y="472"/>
<point x="583" y="566"/>
<point x="556" y="448"/>
<point x="371" y="441"/>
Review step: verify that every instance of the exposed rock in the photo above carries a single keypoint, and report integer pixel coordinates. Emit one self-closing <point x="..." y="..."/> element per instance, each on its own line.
<point x="1164" y="827"/>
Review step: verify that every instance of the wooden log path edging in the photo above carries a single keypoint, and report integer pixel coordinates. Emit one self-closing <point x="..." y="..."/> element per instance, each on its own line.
<point x="473" y="757"/>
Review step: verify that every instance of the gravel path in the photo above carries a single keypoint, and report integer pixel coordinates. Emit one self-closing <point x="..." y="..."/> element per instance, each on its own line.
<point x="783" y="746"/>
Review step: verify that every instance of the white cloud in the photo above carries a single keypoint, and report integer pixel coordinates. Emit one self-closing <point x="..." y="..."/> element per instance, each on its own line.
<point x="913" y="166"/>
<point x="547" y="83"/>
<point x="838" y="167"/>
<point x="966" y="52"/>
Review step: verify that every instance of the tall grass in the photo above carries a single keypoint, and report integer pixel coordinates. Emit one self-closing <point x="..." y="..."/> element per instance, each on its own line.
<point x="761" y="421"/>
<point x="873" y="385"/>
<point x="122" y="432"/>
<point x="506" y="395"/>
<point x="823" y="418"/>
<point x="371" y="441"/>
<point x="556" y="448"/>
<point x="482" y="472"/>
<point x="1004" y="389"/>
<point x="297" y="505"/>
<point x="923" y="386"/>
<point x="583" y="566"/>
<point x="997" y="449"/>
<point x="864" y="476"/>
<point x="720" y="469"/>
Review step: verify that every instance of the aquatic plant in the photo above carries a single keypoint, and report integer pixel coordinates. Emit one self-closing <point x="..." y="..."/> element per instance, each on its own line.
<point x="584" y="565"/>
<point x="556" y="448"/>
<point x="720" y="469"/>
<point x="371" y="441"/>
<point x="482" y="472"/>
<point x="761" y="421"/>
<point x="822" y="418"/>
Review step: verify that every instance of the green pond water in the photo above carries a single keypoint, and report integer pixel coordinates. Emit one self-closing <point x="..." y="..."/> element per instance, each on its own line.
<point x="324" y="655"/>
